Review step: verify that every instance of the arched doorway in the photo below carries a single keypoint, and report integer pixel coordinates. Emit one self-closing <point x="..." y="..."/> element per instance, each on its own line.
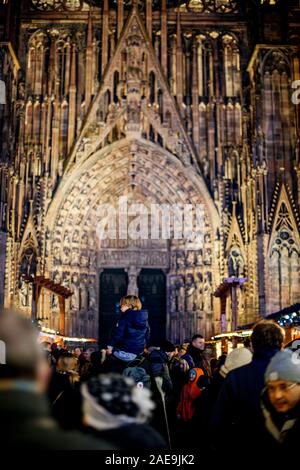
<point x="145" y="174"/>
<point x="113" y="286"/>
<point x="152" y="292"/>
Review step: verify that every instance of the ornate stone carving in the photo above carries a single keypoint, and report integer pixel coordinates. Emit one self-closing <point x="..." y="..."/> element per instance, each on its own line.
<point x="121" y="257"/>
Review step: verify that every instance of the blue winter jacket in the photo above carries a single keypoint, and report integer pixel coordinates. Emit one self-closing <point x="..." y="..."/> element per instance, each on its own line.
<point x="132" y="332"/>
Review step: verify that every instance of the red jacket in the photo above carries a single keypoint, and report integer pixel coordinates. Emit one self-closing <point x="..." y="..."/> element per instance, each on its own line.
<point x="190" y="391"/>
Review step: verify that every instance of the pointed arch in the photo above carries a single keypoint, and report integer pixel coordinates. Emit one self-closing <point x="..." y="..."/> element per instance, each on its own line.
<point x="283" y="256"/>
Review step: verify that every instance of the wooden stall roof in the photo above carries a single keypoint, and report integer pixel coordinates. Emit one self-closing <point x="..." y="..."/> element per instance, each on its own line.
<point x="227" y="283"/>
<point x="47" y="283"/>
<point x="295" y="308"/>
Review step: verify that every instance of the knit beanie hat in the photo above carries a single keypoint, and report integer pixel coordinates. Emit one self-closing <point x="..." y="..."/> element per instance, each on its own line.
<point x="167" y="346"/>
<point x="236" y="358"/>
<point x="285" y="365"/>
<point x="112" y="400"/>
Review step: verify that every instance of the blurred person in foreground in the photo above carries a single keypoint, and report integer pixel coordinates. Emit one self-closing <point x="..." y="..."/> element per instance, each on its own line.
<point x="115" y="408"/>
<point x="237" y="414"/>
<point x="25" y="418"/>
<point x="64" y="392"/>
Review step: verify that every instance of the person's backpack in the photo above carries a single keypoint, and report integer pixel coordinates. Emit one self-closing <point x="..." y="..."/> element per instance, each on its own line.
<point x="139" y="375"/>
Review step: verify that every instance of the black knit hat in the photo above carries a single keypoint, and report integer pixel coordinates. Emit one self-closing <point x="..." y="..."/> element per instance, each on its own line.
<point x="114" y="393"/>
<point x="167" y="346"/>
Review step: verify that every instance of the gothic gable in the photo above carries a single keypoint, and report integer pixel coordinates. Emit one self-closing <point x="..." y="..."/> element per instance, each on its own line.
<point x="133" y="100"/>
<point x="234" y="234"/>
<point x="235" y="248"/>
<point x="29" y="236"/>
<point x="283" y="218"/>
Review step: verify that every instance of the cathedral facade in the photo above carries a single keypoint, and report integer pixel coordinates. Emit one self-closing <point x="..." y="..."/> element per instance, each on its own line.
<point x="162" y="102"/>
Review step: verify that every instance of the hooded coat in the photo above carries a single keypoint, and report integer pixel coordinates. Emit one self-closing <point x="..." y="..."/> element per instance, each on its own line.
<point x="189" y="393"/>
<point x="132" y="332"/>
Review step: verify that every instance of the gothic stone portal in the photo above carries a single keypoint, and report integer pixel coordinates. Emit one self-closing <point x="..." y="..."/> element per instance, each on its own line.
<point x="76" y="256"/>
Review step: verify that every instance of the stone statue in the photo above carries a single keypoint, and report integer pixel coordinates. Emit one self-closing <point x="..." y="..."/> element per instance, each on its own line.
<point x="65" y="280"/>
<point x="75" y="238"/>
<point x="134" y="63"/>
<point x="84" y="238"/>
<point x="83" y="260"/>
<point x="180" y="260"/>
<point x="199" y="292"/>
<point x="190" y="259"/>
<point x="23" y="294"/>
<point x="21" y="90"/>
<point x="205" y="166"/>
<point x="207" y="256"/>
<point x="236" y="263"/>
<point x="190" y="290"/>
<point x="92" y="259"/>
<point x="173" y="260"/>
<point x="199" y="259"/>
<point x="180" y="294"/>
<point x="92" y="296"/>
<point x="173" y="306"/>
<point x="75" y="257"/>
<point x="75" y="299"/>
<point x="67" y="239"/>
<point x="132" y="287"/>
<point x="207" y="238"/>
<point x="56" y="255"/>
<point x="207" y="297"/>
<point x="83" y="295"/>
<point x="54" y="303"/>
<point x="66" y="255"/>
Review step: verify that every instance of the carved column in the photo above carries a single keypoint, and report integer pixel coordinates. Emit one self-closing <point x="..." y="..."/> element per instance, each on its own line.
<point x="72" y="100"/>
<point x="195" y="99"/>
<point x="120" y="16"/>
<point x="179" y="70"/>
<point x="133" y="272"/>
<point x="149" y="17"/>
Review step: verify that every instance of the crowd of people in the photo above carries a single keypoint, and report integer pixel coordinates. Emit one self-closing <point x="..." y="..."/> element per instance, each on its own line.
<point x="135" y="395"/>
